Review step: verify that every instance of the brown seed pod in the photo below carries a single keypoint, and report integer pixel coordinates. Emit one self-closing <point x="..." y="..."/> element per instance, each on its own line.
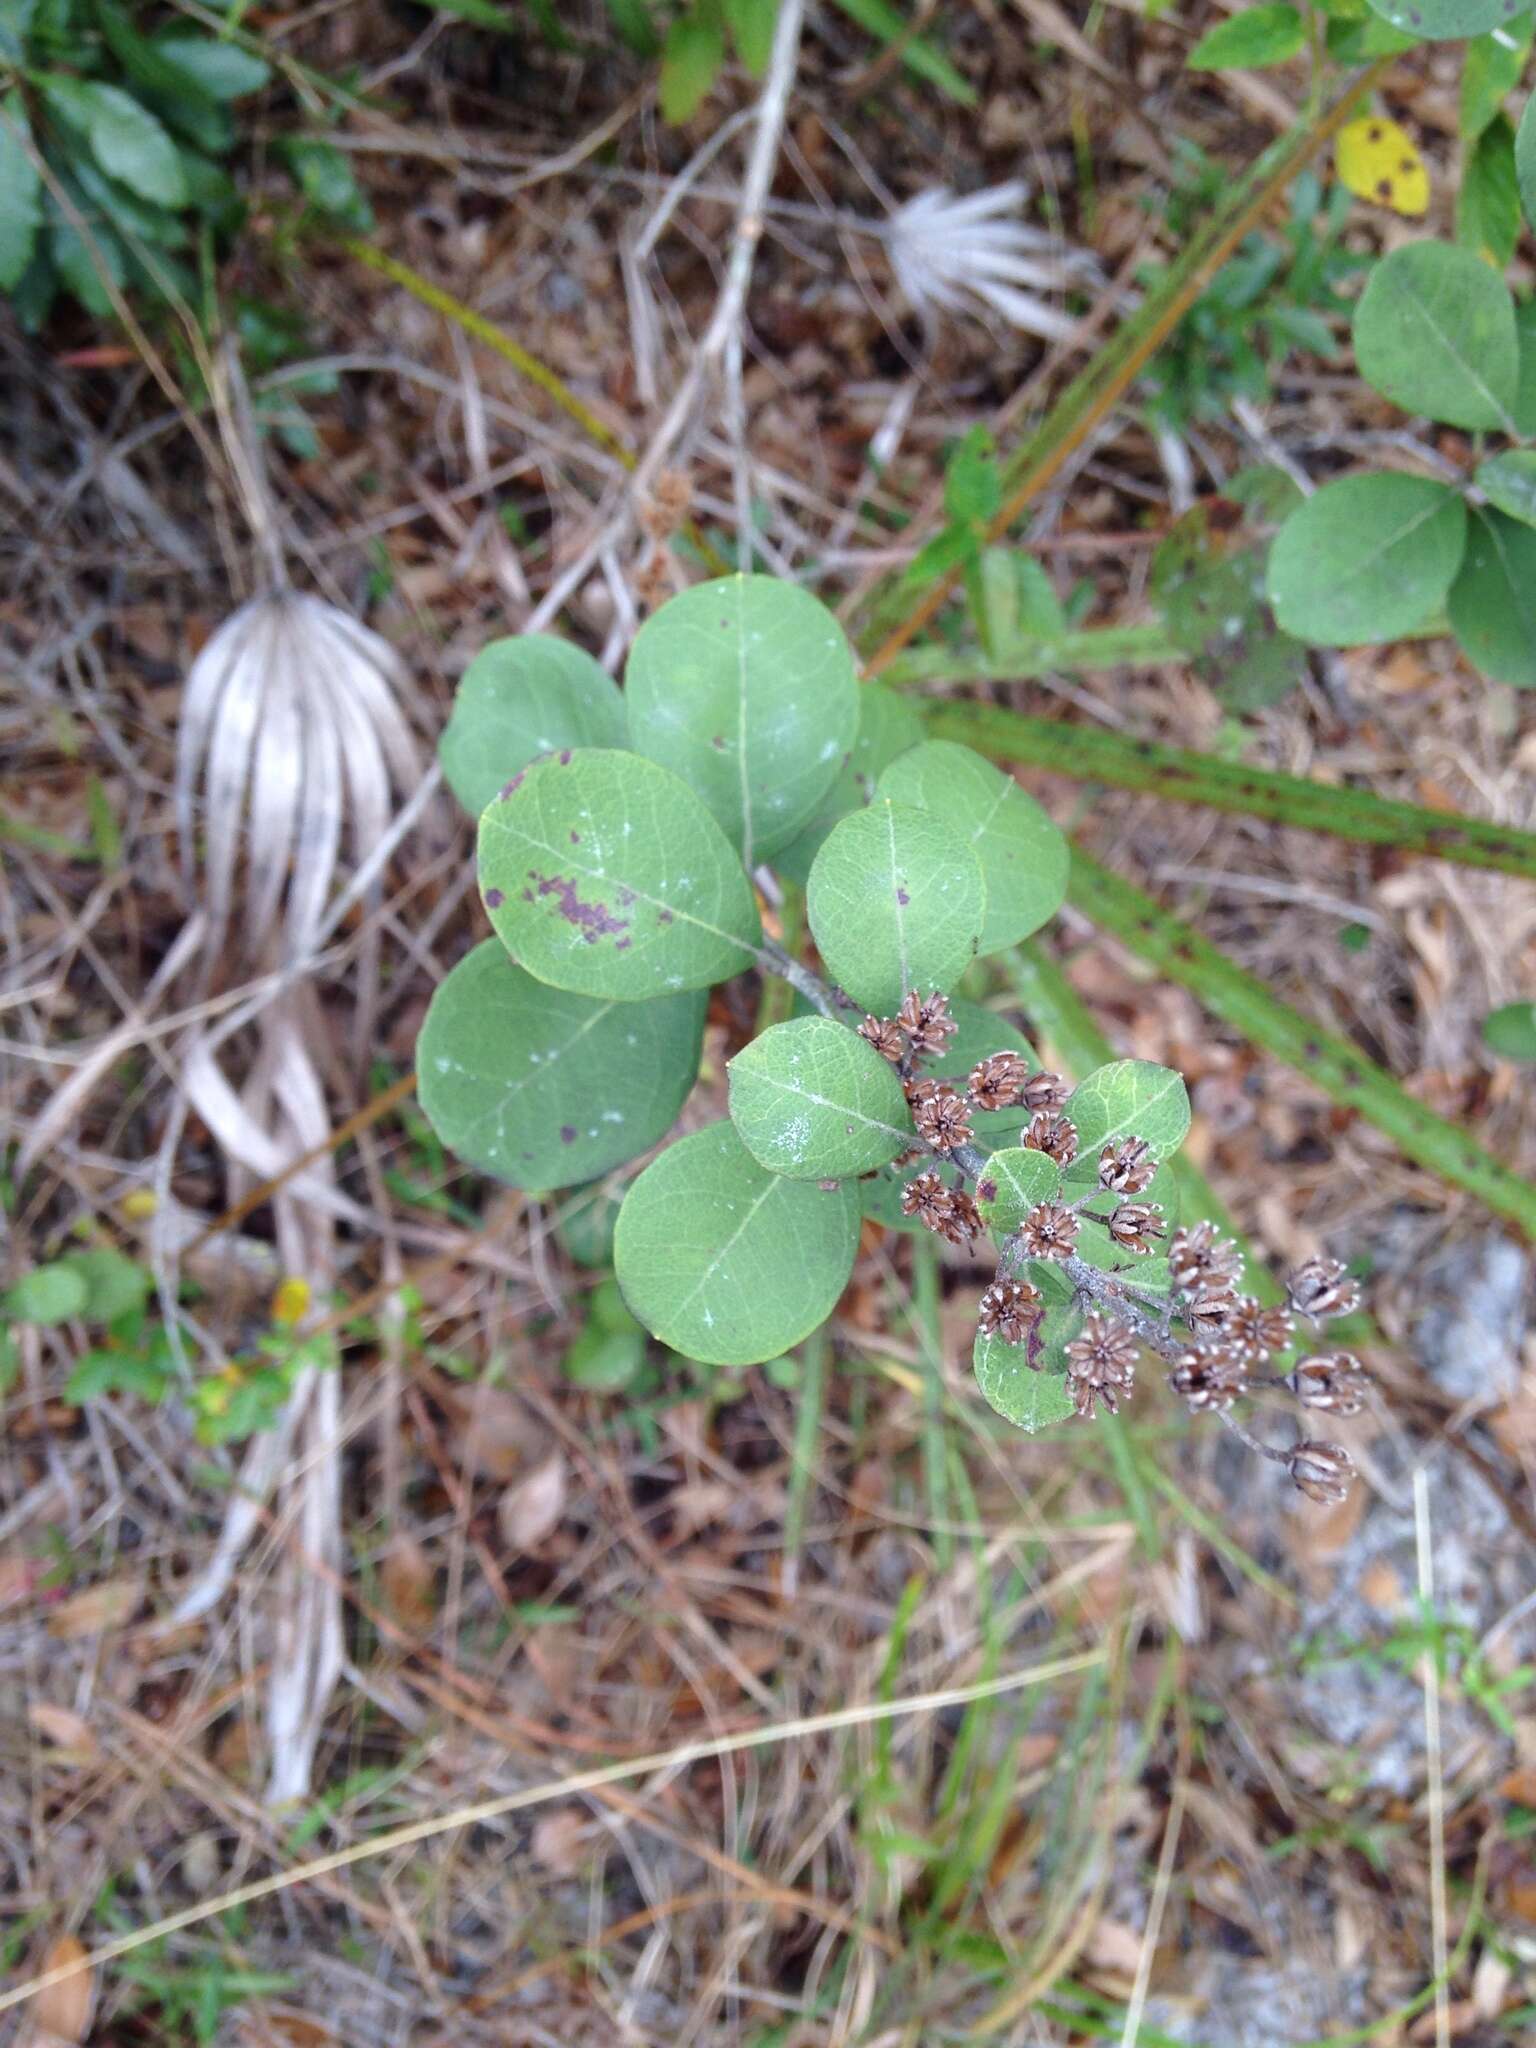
<point x="1126" y="1168"/>
<point x="1323" y="1472"/>
<point x="1008" y="1309"/>
<point x="1052" y="1135"/>
<point x="885" y="1036"/>
<point x="1049" y="1231"/>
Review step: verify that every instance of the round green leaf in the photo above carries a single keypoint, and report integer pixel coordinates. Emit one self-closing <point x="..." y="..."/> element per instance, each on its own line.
<point x="603" y="873"/>
<point x="115" y="1285"/>
<point x="1367" y="558"/>
<point x="1509" y="482"/>
<point x="1511" y="1031"/>
<point x="1127" y="1099"/>
<point x="1492" y="604"/>
<point x="746" y="688"/>
<point x="1525" y="159"/>
<point x="727" y="1262"/>
<point x="811" y="1100"/>
<point x="1016" y="1180"/>
<point x="1022" y="1395"/>
<point x="214" y="65"/>
<point x="896" y="902"/>
<point x="48" y="1294"/>
<point x="1435" y="332"/>
<point x="605" y="1361"/>
<point x="130" y="145"/>
<point x="1246" y="41"/>
<point x="1525" y="397"/>
<point x="887" y="727"/>
<point x="1443" y="21"/>
<point x="519" y="699"/>
<point x="543" y="1088"/>
<point x="1022" y="854"/>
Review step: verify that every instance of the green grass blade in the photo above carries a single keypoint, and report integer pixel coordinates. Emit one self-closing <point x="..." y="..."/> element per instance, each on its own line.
<point x="922" y="58"/>
<point x="1330" y="1062"/>
<point x="812" y="1401"/>
<point x="930" y="1344"/>
<point x="1078" y="653"/>
<point x="1090" y="754"/>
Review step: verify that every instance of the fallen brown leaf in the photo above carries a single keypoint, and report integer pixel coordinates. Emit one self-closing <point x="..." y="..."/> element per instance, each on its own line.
<point x="530" y="1510"/>
<point x="66" y="1730"/>
<point x="64" y="2010"/>
<point x="409" y="1586"/>
<point x="95" y="1609"/>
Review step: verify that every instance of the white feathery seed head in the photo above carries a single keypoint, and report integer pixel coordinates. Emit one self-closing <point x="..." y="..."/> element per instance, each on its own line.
<point x="291" y="739"/>
<point x="974" y="254"/>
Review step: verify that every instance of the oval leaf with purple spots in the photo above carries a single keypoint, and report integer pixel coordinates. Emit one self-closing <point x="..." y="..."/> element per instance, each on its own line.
<point x="746" y="688"/>
<point x="542" y="1088"/>
<point x="896" y="901"/>
<point x="520" y="698"/>
<point x="604" y="873"/>
<point x="812" y="1100"/>
<point x="729" y="1263"/>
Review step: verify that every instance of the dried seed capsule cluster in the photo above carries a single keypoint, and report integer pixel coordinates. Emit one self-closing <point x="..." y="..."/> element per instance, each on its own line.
<point x="1236" y="1336"/>
<point x="942" y="1113"/>
<point x="1217" y="1342"/>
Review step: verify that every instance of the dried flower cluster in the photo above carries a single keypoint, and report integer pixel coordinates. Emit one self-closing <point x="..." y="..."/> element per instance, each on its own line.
<point x="1236" y="1337"/>
<point x="950" y="1212"/>
<point x="921" y="1029"/>
<point x="1101" y="1364"/>
<point x="1216" y="1341"/>
<point x="1009" y="1309"/>
<point x="1218" y="1344"/>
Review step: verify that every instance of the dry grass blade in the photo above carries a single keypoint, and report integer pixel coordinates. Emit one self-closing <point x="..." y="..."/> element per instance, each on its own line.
<point x="667" y="1761"/>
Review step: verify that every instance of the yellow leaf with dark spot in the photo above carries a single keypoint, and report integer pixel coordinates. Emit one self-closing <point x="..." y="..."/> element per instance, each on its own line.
<point x="1376" y="160"/>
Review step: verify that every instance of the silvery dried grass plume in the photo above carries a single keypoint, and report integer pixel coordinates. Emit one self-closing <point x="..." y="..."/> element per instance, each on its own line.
<point x="290" y="732"/>
<point x="293" y="748"/>
<point x="974" y="254"/>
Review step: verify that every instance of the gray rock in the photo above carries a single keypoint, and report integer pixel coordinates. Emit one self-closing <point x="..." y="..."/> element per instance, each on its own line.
<point x="1476" y="1309"/>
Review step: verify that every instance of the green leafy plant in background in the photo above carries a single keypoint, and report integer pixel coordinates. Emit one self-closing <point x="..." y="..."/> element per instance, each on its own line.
<point x="628" y="846"/>
<point x="129" y="1349"/>
<point x="113" y="149"/>
<point x="700" y="38"/>
<point x="1376" y="556"/>
<point x="118" y="126"/>
<point x="1279" y="293"/>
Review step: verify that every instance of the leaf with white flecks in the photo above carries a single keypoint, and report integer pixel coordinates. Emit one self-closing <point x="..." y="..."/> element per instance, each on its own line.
<point x="896" y="901"/>
<point x="520" y="698"/>
<point x="745" y="687"/>
<point x="1022" y="853"/>
<point x="544" y="1088"/>
<point x="1016" y="1180"/>
<point x="1025" y="1396"/>
<point x="726" y="1262"/>
<point x="810" y="1099"/>
<point x="1127" y="1099"/>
